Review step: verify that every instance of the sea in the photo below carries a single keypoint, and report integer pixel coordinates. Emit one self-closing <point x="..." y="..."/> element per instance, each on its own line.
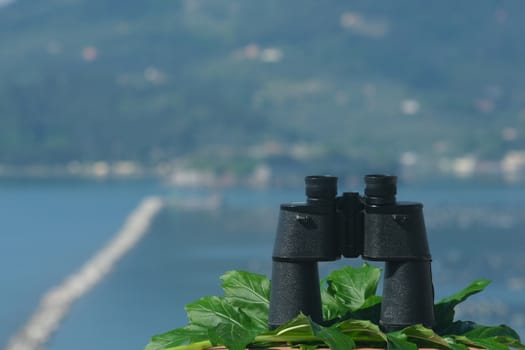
<point x="49" y="228"/>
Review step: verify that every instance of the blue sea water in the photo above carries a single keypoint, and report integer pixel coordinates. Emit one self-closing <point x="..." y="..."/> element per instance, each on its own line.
<point x="50" y="228"/>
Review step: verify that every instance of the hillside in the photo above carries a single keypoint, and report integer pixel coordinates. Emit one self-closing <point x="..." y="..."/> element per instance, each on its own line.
<point x="154" y="81"/>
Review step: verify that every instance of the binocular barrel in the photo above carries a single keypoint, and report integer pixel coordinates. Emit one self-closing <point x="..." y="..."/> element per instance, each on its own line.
<point x="375" y="226"/>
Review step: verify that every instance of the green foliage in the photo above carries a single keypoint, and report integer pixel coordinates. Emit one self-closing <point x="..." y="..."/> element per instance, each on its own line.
<point x="354" y="288"/>
<point x="351" y="292"/>
<point x="249" y="292"/>
<point x="444" y="309"/>
<point x="399" y="341"/>
<point x="302" y="330"/>
<point x="240" y="317"/>
<point x="171" y="78"/>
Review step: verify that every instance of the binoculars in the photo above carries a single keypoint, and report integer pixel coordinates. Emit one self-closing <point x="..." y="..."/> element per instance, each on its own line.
<point x="374" y="226"/>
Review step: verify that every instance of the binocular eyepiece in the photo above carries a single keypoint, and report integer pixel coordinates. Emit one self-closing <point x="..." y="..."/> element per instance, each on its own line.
<point x="374" y="226"/>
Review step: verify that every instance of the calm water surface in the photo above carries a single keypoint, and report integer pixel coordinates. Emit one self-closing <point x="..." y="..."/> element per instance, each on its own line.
<point x="49" y="229"/>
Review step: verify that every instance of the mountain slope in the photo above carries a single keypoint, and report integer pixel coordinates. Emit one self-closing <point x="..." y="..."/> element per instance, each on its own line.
<point x="94" y="79"/>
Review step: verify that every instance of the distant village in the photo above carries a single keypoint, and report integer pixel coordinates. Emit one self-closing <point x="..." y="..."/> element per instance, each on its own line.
<point x="265" y="171"/>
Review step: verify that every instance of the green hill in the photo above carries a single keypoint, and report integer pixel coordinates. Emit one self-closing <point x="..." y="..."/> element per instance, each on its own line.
<point x="158" y="80"/>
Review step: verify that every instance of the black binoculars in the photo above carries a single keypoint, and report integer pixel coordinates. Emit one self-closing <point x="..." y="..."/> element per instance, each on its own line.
<point x="375" y="226"/>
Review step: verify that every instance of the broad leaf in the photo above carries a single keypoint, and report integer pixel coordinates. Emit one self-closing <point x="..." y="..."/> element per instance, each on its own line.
<point x="297" y="330"/>
<point x="201" y="345"/>
<point x="176" y="337"/>
<point x="333" y="337"/>
<point x="486" y="343"/>
<point x="353" y="286"/>
<point x="489" y="343"/>
<point x="232" y="336"/>
<point x="444" y="309"/>
<point x="308" y="346"/>
<point x="455" y="345"/>
<point x="502" y="335"/>
<point x="399" y="341"/>
<point x="371" y="310"/>
<point x="208" y="312"/>
<point x="512" y="342"/>
<point x="299" y="326"/>
<point x="249" y="292"/>
<point x="480" y="331"/>
<point x="363" y="332"/>
<point x="332" y="307"/>
<point x="223" y="321"/>
<point x="424" y="336"/>
<point x="303" y="331"/>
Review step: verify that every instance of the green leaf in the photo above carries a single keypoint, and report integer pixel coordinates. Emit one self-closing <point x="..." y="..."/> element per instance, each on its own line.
<point x="353" y="286"/>
<point x="486" y="343"/>
<point x="208" y="312"/>
<point x="176" y="337"/>
<point x="480" y="331"/>
<point x="501" y="334"/>
<point x="223" y="321"/>
<point x="308" y="346"/>
<point x="472" y="334"/>
<point x="333" y="337"/>
<point x="236" y="319"/>
<point x="444" y="309"/>
<point x="299" y="326"/>
<point x="363" y="332"/>
<point x="512" y="342"/>
<point x="249" y="292"/>
<point x="489" y="343"/>
<point x="424" y="337"/>
<point x="371" y="310"/>
<point x="399" y="341"/>
<point x="232" y="336"/>
<point x="455" y="345"/>
<point x="332" y="307"/>
<point x="295" y="331"/>
<point x="201" y="345"/>
<point x="303" y="331"/>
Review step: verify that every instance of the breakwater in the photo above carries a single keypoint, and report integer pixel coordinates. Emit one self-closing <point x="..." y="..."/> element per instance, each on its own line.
<point x="56" y="303"/>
